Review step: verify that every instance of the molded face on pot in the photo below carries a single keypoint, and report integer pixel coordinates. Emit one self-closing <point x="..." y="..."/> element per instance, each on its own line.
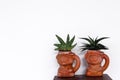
<point x="94" y="58"/>
<point x="65" y="59"/>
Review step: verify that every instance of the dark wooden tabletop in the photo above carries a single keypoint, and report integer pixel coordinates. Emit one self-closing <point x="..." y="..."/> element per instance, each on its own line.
<point x="83" y="77"/>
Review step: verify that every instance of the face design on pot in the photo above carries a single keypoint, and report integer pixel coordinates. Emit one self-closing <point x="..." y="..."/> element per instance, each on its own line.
<point x="94" y="59"/>
<point x="65" y="59"/>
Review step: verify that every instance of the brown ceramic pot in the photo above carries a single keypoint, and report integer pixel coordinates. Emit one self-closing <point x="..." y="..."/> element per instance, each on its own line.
<point x="94" y="59"/>
<point x="66" y="60"/>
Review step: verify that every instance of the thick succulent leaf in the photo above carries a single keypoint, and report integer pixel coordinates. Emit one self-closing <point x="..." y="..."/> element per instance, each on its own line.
<point x="71" y="41"/>
<point x="91" y="48"/>
<point x="86" y="45"/>
<point x="92" y="40"/>
<point x="83" y="49"/>
<point x="87" y="40"/>
<point x="68" y="38"/>
<point x="60" y="39"/>
<point x="57" y="45"/>
<point x="100" y="46"/>
<point x="98" y="40"/>
<point x="74" y="45"/>
<point x="56" y="48"/>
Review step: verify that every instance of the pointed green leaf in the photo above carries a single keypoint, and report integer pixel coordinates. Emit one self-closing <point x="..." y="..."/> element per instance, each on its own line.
<point x="87" y="40"/>
<point x="57" y="45"/>
<point x="71" y="41"/>
<point x="74" y="45"/>
<point x="60" y="39"/>
<point x="83" y="49"/>
<point x="100" y="46"/>
<point x="92" y="40"/>
<point x="56" y="48"/>
<point x="68" y="38"/>
<point x="98" y="40"/>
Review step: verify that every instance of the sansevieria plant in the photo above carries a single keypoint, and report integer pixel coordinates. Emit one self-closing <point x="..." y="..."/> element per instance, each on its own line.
<point x="65" y="46"/>
<point x="66" y="57"/>
<point x="94" y="56"/>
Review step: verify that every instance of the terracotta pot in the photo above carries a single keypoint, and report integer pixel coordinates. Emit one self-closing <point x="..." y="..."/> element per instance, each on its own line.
<point x="94" y="59"/>
<point x="66" y="60"/>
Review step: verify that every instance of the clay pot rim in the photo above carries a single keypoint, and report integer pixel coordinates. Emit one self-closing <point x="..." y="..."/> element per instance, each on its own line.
<point x="64" y="52"/>
<point x="96" y="51"/>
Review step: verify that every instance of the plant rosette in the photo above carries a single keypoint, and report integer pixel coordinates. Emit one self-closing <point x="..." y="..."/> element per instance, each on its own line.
<point x="94" y="57"/>
<point x="66" y="57"/>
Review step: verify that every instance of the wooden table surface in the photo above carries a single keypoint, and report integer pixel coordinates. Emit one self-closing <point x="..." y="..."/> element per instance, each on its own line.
<point x="83" y="77"/>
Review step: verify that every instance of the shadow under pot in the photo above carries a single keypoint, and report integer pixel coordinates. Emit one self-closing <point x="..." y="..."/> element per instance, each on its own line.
<point x="94" y="59"/>
<point x="66" y="59"/>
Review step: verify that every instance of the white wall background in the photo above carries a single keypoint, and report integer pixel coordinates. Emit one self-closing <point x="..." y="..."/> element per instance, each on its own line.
<point x="28" y="28"/>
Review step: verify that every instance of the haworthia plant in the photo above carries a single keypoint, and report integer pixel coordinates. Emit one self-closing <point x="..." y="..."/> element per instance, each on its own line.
<point x="65" y="46"/>
<point x="93" y="44"/>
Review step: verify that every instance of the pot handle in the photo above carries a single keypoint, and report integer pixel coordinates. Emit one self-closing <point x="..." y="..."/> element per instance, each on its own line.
<point x="106" y="62"/>
<point x="77" y="65"/>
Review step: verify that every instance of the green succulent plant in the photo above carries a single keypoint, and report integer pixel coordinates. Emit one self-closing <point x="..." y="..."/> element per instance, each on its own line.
<point x="65" y="46"/>
<point x="93" y="44"/>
